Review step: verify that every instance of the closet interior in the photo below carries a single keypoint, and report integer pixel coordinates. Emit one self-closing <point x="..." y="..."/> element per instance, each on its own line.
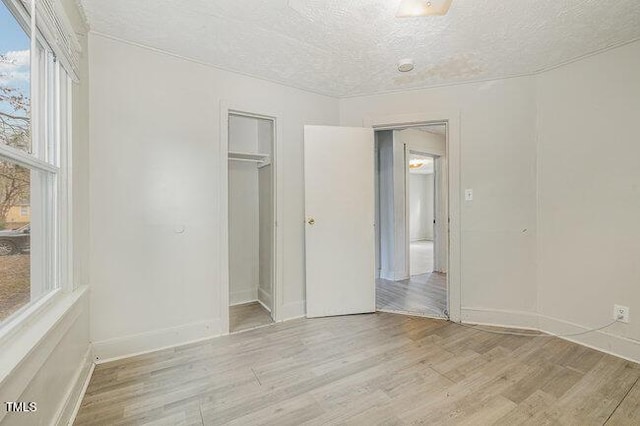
<point x="251" y="221"/>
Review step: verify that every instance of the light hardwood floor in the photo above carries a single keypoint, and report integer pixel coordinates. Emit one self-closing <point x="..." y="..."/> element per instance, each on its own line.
<point x="248" y="315"/>
<point x="363" y="370"/>
<point x="424" y="294"/>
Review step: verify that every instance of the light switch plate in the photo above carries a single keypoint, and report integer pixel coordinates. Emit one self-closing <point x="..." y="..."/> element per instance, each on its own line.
<point x="468" y="194"/>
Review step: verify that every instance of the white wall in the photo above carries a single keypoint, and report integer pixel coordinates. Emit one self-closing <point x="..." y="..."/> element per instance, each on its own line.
<point x="497" y="134"/>
<point x="391" y="207"/>
<point x="154" y="158"/>
<point x="589" y="197"/>
<point x="421" y="206"/>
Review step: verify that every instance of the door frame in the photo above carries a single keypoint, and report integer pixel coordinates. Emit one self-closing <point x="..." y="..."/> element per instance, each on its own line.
<point x="453" y="153"/>
<point x="407" y="201"/>
<point x="260" y="111"/>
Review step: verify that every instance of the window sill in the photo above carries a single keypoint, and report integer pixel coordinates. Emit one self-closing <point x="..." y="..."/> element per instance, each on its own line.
<point x="23" y="335"/>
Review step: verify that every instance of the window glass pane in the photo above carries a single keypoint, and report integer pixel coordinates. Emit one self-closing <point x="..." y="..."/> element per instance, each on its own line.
<point x="15" y="102"/>
<point x="25" y="269"/>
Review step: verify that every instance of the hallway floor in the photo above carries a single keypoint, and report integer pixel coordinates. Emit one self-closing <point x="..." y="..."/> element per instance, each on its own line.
<point x="424" y="294"/>
<point x="247" y="316"/>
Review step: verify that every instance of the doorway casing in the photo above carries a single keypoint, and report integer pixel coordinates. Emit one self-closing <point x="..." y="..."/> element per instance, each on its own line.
<point x="452" y="120"/>
<point x="259" y="111"/>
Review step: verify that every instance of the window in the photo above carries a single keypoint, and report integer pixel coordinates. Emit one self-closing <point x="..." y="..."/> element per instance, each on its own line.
<point x="32" y="182"/>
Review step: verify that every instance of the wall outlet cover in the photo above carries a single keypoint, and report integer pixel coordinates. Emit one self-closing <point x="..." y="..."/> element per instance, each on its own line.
<point x="621" y="313"/>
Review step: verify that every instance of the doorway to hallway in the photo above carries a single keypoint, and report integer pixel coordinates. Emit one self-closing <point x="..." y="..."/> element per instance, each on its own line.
<point x="411" y="218"/>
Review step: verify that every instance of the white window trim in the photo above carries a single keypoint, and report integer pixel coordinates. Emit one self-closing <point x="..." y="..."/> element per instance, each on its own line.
<point x="57" y="163"/>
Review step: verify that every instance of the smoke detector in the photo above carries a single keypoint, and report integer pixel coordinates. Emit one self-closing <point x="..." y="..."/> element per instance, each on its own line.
<point x="405" y="65"/>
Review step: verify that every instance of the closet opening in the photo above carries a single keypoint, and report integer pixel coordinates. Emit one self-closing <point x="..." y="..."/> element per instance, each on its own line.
<point x="251" y="221"/>
<point x="412" y="232"/>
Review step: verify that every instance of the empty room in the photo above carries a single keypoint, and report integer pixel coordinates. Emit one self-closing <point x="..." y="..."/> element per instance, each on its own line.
<point x="319" y="212"/>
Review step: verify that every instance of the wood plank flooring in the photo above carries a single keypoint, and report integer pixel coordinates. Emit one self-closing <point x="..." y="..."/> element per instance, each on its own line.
<point x="424" y="294"/>
<point x="366" y="369"/>
<point x="248" y="315"/>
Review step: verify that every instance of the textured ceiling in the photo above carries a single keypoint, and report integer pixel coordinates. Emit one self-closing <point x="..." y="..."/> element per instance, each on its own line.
<point x="351" y="47"/>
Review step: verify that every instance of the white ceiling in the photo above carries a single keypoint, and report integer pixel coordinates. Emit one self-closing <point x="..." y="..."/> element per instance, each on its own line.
<point x="351" y="47"/>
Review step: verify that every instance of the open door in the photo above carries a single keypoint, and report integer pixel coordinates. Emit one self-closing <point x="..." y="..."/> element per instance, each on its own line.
<point x="340" y="214"/>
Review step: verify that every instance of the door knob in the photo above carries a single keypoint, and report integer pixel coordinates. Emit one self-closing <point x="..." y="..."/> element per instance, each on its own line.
<point x="311" y="221"/>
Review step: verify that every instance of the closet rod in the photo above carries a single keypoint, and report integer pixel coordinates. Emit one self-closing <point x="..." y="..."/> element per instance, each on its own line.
<point x="253" y="160"/>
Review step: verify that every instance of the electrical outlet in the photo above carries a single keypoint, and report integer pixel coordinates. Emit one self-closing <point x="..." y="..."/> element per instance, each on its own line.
<point x="621" y="313"/>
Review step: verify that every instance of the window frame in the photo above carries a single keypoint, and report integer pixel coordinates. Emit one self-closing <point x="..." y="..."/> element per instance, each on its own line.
<point x="51" y="120"/>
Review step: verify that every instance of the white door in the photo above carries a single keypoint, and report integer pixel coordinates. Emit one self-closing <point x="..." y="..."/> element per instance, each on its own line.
<point x="339" y="223"/>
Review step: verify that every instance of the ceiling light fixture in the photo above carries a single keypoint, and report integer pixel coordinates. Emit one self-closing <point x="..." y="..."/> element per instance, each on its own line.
<point x="411" y="8"/>
<point x="405" y="65"/>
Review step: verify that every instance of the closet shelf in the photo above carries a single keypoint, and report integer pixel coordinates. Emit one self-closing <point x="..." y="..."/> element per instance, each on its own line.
<point x="261" y="159"/>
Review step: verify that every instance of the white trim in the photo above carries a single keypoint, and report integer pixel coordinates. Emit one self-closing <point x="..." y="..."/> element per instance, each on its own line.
<point x="600" y="340"/>
<point x="407" y="209"/>
<point x="407" y="203"/>
<point x="243" y="297"/>
<point x="500" y="318"/>
<point x="83" y="391"/>
<point x="394" y="275"/>
<point x="257" y="109"/>
<point x="24" y="355"/>
<point x="453" y="155"/>
<point x="77" y="388"/>
<point x="293" y="310"/>
<point x="264" y="306"/>
<point x="29" y="313"/>
<point x="25" y="159"/>
<point x="413" y="314"/>
<point x="155" y="340"/>
<point x="265" y="299"/>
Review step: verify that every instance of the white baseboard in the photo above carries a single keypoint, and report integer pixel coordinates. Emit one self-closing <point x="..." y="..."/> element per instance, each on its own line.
<point x="601" y="340"/>
<point x="500" y="318"/>
<point x="73" y="400"/>
<point x="292" y="310"/>
<point x="265" y="299"/>
<point x="124" y="347"/>
<point x="393" y="275"/>
<point x="244" y="296"/>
